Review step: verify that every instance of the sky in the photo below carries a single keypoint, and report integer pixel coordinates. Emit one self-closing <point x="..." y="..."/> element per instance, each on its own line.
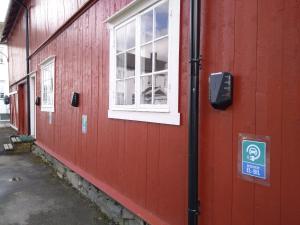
<point x="3" y="8"/>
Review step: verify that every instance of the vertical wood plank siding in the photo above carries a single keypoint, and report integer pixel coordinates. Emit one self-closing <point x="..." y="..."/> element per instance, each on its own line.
<point x="144" y="165"/>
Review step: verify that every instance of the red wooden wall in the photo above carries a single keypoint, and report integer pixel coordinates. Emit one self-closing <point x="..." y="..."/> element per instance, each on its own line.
<point x="16" y="51"/>
<point x="136" y="161"/>
<point x="46" y="16"/>
<point x="258" y="41"/>
<point x="144" y="165"/>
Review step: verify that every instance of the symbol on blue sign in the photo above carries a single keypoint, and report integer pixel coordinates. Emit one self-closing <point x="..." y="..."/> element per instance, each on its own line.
<point x="253" y="152"/>
<point x="254" y="158"/>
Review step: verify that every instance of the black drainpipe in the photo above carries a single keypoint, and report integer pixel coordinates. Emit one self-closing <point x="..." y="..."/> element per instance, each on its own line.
<point x="195" y="60"/>
<point x="27" y="64"/>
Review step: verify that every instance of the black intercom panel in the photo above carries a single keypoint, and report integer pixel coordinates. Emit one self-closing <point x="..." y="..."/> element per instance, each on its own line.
<point x="6" y="100"/>
<point x="38" y="101"/>
<point x="75" y="99"/>
<point x="220" y="90"/>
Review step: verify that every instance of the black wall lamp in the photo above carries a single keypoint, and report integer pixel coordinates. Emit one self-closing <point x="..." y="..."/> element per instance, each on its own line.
<point x="38" y="101"/>
<point x="220" y="90"/>
<point x="75" y="99"/>
<point x="6" y="100"/>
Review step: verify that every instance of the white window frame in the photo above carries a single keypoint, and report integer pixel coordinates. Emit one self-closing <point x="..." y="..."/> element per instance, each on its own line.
<point x="165" y="114"/>
<point x="50" y="61"/>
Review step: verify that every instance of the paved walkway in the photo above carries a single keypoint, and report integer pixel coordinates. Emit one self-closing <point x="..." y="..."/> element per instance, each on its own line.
<point x="31" y="193"/>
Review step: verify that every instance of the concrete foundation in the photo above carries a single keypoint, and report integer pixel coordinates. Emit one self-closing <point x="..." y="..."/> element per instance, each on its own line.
<point x="107" y="205"/>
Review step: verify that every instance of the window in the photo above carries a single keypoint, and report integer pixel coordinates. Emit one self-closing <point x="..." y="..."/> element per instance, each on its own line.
<point x="47" y="84"/>
<point x="1" y="60"/>
<point x="1" y="95"/>
<point x="144" y="55"/>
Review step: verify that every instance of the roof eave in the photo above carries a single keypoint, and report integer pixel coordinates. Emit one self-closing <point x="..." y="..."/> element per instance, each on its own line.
<point x="11" y="17"/>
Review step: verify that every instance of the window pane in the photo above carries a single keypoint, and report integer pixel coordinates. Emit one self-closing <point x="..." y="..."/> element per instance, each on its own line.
<point x="161" y="54"/>
<point x="51" y="85"/>
<point x="51" y="90"/>
<point x="120" y="39"/>
<point x="48" y="86"/>
<point x="146" y="90"/>
<point x="50" y="97"/>
<point x="147" y="27"/>
<point x="45" y="86"/>
<point x="120" y="66"/>
<point x="44" y="95"/>
<point x="130" y="35"/>
<point x="45" y="74"/>
<point x="130" y="63"/>
<point x="47" y="100"/>
<point x="51" y="71"/>
<point x="146" y="59"/>
<point x="161" y="20"/>
<point x="130" y="92"/>
<point x="161" y="89"/>
<point x="120" y="93"/>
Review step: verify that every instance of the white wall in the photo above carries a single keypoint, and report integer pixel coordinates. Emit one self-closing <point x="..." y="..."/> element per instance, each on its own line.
<point x="4" y="84"/>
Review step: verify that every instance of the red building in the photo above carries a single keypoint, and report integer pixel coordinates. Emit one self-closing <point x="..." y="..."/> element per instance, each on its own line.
<point x="130" y="63"/>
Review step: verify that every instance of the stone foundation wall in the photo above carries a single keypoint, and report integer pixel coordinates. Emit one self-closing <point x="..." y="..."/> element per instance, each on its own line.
<point x="116" y="212"/>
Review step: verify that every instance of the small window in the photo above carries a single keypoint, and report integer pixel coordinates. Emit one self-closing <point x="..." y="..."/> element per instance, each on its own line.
<point x="1" y="95"/>
<point x="47" y="84"/>
<point x="1" y="60"/>
<point x="144" y="61"/>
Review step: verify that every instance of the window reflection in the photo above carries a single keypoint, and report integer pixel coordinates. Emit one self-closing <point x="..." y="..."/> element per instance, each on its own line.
<point x="130" y="35"/>
<point x="147" y="27"/>
<point x="130" y="63"/>
<point x="47" y="85"/>
<point x="130" y="96"/>
<point x="146" y="89"/>
<point x="120" y="66"/>
<point x="160" y="88"/>
<point x="146" y="59"/>
<point x="161" y="54"/>
<point x="152" y="50"/>
<point x="125" y="64"/>
<point x="161" y="20"/>
<point x="120" y="93"/>
<point x="120" y="40"/>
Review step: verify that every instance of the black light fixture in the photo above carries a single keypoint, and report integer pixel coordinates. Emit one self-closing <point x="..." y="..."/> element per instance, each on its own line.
<point x="6" y="100"/>
<point x="220" y="90"/>
<point x="75" y="99"/>
<point x="38" y="101"/>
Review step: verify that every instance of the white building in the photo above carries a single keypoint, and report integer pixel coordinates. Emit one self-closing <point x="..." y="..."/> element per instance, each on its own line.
<point x="4" y="84"/>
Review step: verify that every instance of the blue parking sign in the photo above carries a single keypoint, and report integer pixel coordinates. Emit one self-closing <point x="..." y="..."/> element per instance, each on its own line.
<point x="254" y="158"/>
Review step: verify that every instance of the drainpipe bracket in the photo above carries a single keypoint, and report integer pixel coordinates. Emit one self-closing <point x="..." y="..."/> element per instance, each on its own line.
<point x="195" y="212"/>
<point x="197" y="61"/>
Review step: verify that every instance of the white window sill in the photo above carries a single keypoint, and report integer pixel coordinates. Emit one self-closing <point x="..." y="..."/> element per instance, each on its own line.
<point x="152" y="117"/>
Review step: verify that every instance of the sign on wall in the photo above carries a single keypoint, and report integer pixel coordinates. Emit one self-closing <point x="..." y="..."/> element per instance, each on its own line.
<point x="254" y="158"/>
<point x="50" y="117"/>
<point x="84" y="124"/>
